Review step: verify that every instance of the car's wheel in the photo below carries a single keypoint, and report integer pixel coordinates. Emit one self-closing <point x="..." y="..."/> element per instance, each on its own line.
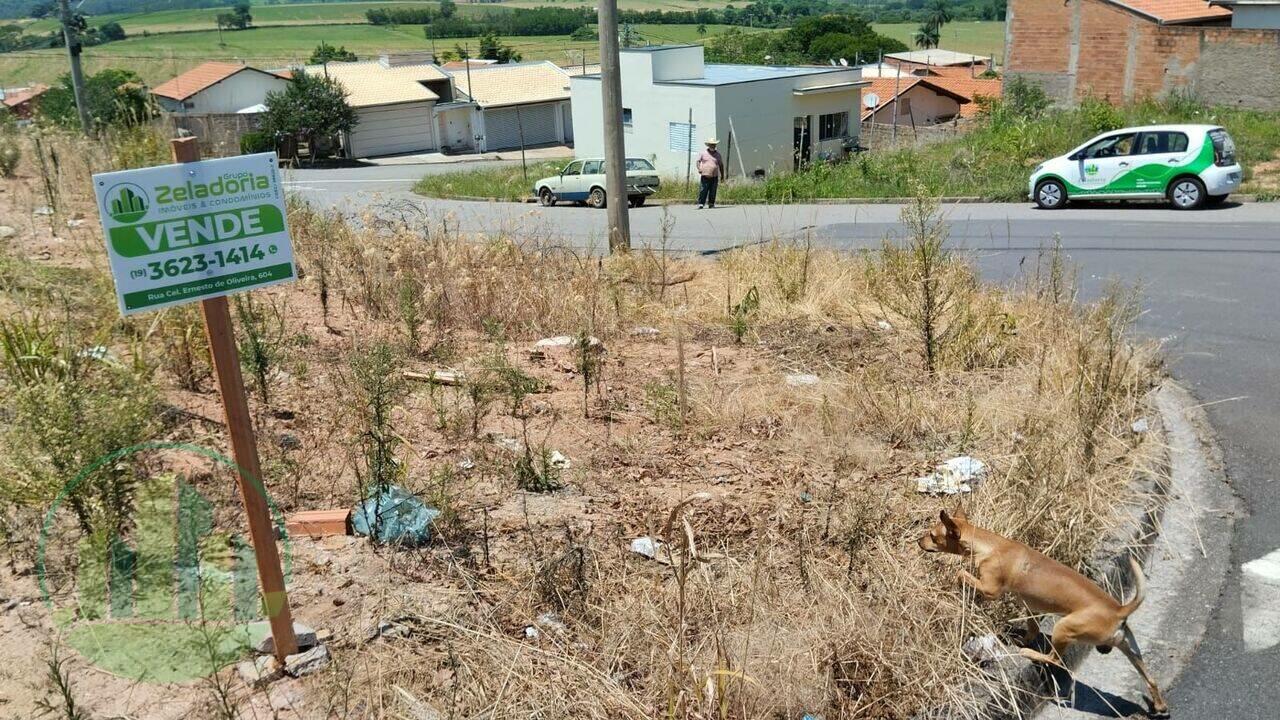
<point x="1187" y="193"/>
<point x="1215" y="200"/>
<point x="637" y="200"/>
<point x="596" y="199"/>
<point x="1051" y="194"/>
<point x="546" y="198"/>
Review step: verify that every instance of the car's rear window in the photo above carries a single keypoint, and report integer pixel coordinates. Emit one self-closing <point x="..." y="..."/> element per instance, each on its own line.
<point x="1224" y="148"/>
<point x="639" y="164"/>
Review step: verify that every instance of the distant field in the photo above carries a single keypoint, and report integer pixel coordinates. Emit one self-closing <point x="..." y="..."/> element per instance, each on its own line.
<point x="978" y="37"/>
<point x="338" y="13"/>
<point x="159" y="57"/>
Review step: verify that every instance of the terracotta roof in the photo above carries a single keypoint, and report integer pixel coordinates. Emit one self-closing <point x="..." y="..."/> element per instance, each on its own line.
<point x="1173" y="12"/>
<point x="972" y="88"/>
<point x="17" y="97"/>
<point x="200" y="77"/>
<point x="884" y="87"/>
<point x="370" y="83"/>
<point x="514" y="84"/>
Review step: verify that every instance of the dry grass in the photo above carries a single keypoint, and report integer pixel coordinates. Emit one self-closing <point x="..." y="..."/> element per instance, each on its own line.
<point x="793" y="583"/>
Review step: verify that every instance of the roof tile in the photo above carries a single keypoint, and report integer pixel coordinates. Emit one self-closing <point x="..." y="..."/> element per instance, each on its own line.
<point x="198" y="78"/>
<point x="515" y="84"/>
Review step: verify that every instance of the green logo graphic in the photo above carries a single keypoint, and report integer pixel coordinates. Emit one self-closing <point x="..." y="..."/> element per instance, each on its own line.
<point x="127" y="203"/>
<point x="171" y="597"/>
<point x="1091" y="169"/>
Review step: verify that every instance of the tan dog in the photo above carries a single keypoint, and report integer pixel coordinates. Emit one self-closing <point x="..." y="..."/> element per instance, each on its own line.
<point x="1089" y="615"/>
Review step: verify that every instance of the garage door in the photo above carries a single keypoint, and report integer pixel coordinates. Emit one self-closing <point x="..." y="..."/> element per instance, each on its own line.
<point x="502" y="127"/>
<point x="393" y="129"/>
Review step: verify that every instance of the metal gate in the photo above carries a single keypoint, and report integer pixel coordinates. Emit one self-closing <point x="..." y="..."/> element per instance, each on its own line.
<point x="502" y="127"/>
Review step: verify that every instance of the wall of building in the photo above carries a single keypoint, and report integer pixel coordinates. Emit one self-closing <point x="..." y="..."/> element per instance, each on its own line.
<point x="1255" y="16"/>
<point x="926" y="107"/>
<point x="237" y="92"/>
<point x="1089" y="47"/>
<point x="652" y="107"/>
<point x="763" y="119"/>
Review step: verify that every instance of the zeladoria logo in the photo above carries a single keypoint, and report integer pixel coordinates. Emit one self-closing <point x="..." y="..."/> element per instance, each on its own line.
<point x="163" y="589"/>
<point x="127" y="203"/>
<point x="1091" y="169"/>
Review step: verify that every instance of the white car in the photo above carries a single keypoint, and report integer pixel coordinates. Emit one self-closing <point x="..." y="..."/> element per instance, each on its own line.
<point x="1190" y="165"/>
<point x="583" y="181"/>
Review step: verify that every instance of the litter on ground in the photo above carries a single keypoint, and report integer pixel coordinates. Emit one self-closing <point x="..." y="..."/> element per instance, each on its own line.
<point x="957" y="475"/>
<point x="394" y="517"/>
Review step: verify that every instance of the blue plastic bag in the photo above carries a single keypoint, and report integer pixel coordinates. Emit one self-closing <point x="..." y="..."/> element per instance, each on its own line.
<point x="394" y="517"/>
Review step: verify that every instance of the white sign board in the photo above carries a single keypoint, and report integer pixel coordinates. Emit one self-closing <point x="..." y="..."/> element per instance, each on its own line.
<point x="180" y="233"/>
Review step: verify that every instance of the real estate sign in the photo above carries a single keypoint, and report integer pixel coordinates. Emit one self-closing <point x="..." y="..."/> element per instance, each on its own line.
<point x="180" y="233"/>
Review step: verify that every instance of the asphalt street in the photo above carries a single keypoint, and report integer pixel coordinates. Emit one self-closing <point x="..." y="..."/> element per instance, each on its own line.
<point x="1211" y="288"/>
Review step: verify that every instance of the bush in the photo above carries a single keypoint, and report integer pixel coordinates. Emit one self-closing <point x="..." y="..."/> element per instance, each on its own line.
<point x="256" y="142"/>
<point x="10" y="155"/>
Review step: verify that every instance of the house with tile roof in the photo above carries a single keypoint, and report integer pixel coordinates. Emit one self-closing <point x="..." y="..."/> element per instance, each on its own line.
<point x="913" y="99"/>
<point x="517" y="104"/>
<point x="217" y="88"/>
<point x="21" y="102"/>
<point x="1126" y="50"/>
<point x="399" y="101"/>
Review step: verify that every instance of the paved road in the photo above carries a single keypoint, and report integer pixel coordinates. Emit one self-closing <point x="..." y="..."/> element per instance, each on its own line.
<point x="1211" y="281"/>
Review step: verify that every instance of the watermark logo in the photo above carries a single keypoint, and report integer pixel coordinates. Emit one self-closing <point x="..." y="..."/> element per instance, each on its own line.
<point x="127" y="203"/>
<point x="172" y="594"/>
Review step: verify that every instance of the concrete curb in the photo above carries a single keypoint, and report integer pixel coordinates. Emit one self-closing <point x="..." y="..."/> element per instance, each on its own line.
<point x="1186" y="493"/>
<point x="954" y="200"/>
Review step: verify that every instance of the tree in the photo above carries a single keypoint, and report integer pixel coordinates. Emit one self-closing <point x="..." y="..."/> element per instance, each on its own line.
<point x="42" y="9"/>
<point x="491" y="48"/>
<point x="310" y="108"/>
<point x="938" y="13"/>
<point x="926" y="36"/>
<point x="111" y="32"/>
<point x="240" y="13"/>
<point x="325" y="52"/>
<point x="702" y="29"/>
<point x="448" y="8"/>
<point x="584" y="33"/>
<point x="238" y="19"/>
<point x="628" y="36"/>
<point x="115" y="98"/>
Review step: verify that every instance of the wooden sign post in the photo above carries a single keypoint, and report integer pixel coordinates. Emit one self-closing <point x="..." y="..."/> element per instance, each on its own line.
<point x="244" y="450"/>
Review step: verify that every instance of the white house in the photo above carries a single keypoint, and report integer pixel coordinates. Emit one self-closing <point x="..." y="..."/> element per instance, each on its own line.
<point x="768" y="119"/>
<point x="518" y="103"/>
<point x="1255" y="14"/>
<point x="217" y="88"/>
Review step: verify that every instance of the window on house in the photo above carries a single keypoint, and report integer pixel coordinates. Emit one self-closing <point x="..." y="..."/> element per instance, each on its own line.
<point x="626" y="116"/>
<point x="680" y="136"/>
<point x="833" y="126"/>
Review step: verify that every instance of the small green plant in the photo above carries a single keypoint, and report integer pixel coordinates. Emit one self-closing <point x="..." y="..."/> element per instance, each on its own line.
<point x="184" y="352"/>
<point x="535" y="471"/>
<point x="410" y="310"/>
<point x="262" y="341"/>
<point x="740" y="314"/>
<point x="449" y="525"/>
<point x="920" y="281"/>
<point x="376" y="387"/>
<point x="664" y="402"/>
<point x="59" y="678"/>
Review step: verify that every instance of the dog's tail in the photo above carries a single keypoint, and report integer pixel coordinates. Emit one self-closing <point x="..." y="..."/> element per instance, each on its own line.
<point x="1139" y="591"/>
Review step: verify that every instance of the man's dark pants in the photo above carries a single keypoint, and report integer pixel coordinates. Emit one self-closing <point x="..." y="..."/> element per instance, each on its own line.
<point x="707" y="191"/>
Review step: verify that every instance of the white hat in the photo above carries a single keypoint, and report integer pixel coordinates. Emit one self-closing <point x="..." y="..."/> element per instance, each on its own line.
<point x="712" y="141"/>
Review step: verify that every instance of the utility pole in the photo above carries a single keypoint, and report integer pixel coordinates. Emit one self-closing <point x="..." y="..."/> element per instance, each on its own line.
<point x="72" y="37"/>
<point x="615" y="179"/>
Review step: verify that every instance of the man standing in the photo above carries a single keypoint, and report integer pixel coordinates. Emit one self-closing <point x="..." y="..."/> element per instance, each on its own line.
<point x="710" y="173"/>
